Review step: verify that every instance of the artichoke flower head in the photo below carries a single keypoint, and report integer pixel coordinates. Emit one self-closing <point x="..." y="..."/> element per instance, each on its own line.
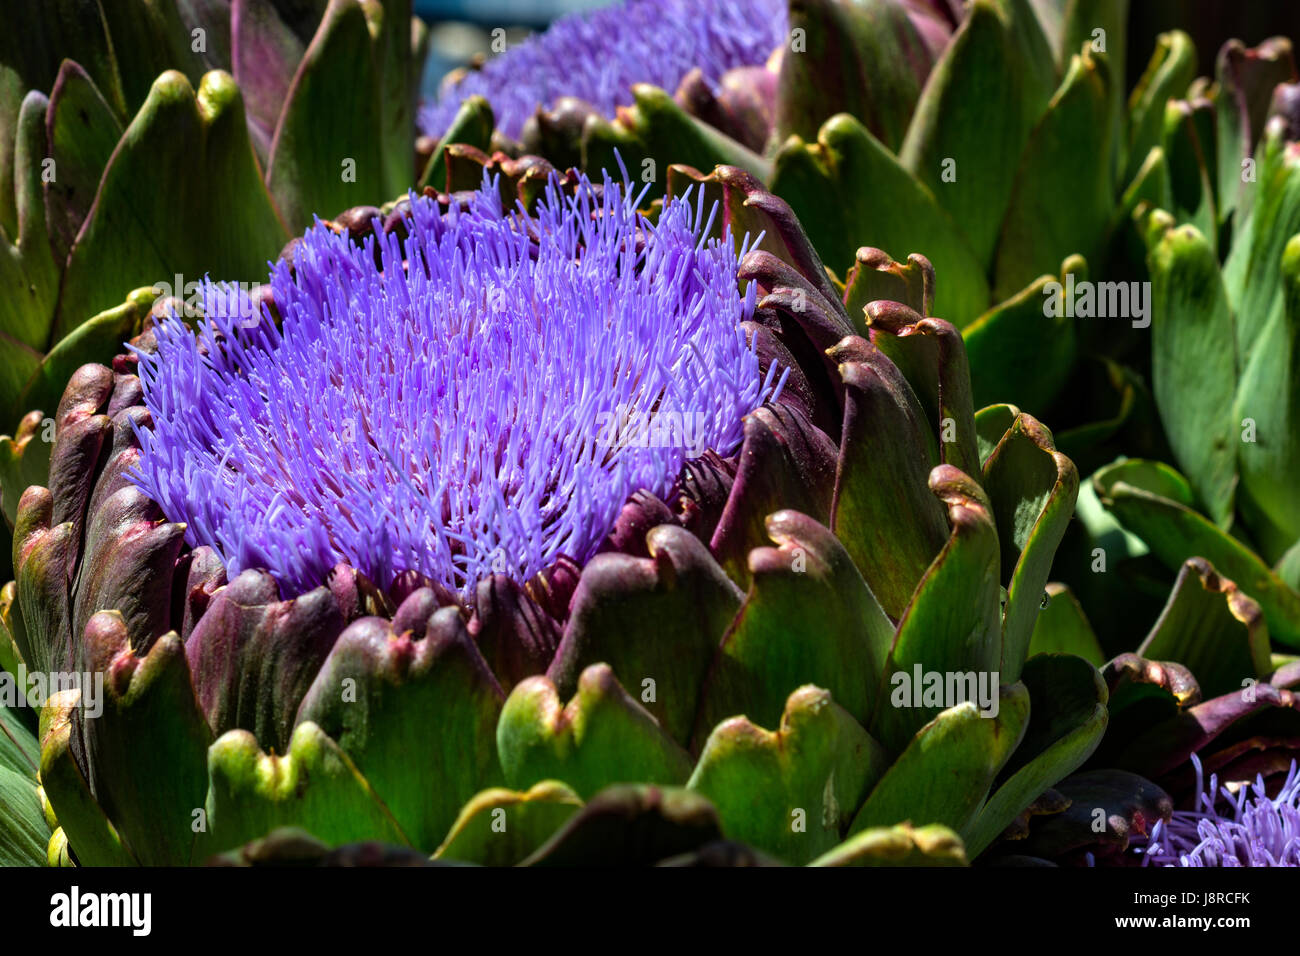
<point x="479" y="396"/>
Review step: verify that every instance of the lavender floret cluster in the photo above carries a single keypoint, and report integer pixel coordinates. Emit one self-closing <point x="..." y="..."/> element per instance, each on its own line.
<point x="1254" y="829"/>
<point x="441" y="404"/>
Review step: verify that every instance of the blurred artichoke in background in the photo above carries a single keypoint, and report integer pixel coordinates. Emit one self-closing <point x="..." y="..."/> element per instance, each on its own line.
<point x="598" y="56"/>
<point x="727" y="654"/>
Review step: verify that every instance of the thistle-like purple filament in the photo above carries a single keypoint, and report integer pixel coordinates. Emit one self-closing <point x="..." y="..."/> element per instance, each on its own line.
<point x="1256" y="831"/>
<point x="443" y="414"/>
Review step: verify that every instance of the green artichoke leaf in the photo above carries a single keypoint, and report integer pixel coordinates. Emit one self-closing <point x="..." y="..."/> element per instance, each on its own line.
<point x="632" y="825"/>
<point x="11" y="104"/>
<point x="10" y="656"/>
<point x="655" y="132"/>
<point x="1211" y="628"/>
<point x="1154" y="502"/>
<point x="147" y="40"/>
<point x="859" y="58"/>
<point x="148" y="748"/>
<point x="42" y="618"/>
<point x="500" y="827"/>
<point x="1120" y="399"/>
<point x="473" y="125"/>
<point x="850" y="191"/>
<point x="1253" y="272"/>
<point x="19" y="363"/>
<point x="1097" y="23"/>
<point x="314" y="786"/>
<point x="264" y="54"/>
<point x="875" y="275"/>
<point x="1015" y="350"/>
<point x="931" y="355"/>
<point x="418" y="718"/>
<point x="1268" y="410"/>
<point x="602" y="737"/>
<point x="1144" y="694"/>
<point x="181" y="151"/>
<point x="901" y="845"/>
<point x="790" y="791"/>
<point x="1067" y="717"/>
<point x="29" y="276"/>
<point x="19" y="752"/>
<point x="1063" y="628"/>
<point x="95" y="338"/>
<point x="994" y="66"/>
<point x="327" y="152"/>
<point x="992" y="422"/>
<point x="1032" y="488"/>
<point x="1167" y="76"/>
<point x="625" y="611"/>
<point x="88" y="831"/>
<point x="785" y="462"/>
<point x="1246" y="80"/>
<point x="40" y="36"/>
<point x="24" y="833"/>
<point x="884" y="512"/>
<point x="1287" y="567"/>
<point x="1193" y="360"/>
<point x="1067" y="155"/>
<point x="951" y="624"/>
<point x="1188" y="143"/>
<point x="1150" y="186"/>
<point x="83" y="131"/>
<point x="808" y="618"/>
<point x="963" y="748"/>
<point x="393" y="59"/>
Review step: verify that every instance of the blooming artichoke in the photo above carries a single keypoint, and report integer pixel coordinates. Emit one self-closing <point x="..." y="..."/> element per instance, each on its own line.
<point x="774" y="643"/>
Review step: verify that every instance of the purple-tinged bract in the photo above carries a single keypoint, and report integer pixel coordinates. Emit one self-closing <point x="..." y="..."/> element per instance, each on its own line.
<point x="597" y="56"/>
<point x="486" y="406"/>
<point x="1256" y="830"/>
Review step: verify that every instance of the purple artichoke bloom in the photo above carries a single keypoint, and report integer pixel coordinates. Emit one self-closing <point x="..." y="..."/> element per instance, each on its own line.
<point x="598" y="55"/>
<point x="480" y="397"/>
<point x="1261" y="831"/>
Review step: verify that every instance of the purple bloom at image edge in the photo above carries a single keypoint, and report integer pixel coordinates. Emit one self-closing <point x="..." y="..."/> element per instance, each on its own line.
<point x="598" y="55"/>
<point x="459" y="417"/>
<point x="1253" y="830"/>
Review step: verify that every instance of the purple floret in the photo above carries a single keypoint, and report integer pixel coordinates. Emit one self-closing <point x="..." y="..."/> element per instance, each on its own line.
<point x="464" y="415"/>
<point x="598" y="55"/>
<point x="1254" y="830"/>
